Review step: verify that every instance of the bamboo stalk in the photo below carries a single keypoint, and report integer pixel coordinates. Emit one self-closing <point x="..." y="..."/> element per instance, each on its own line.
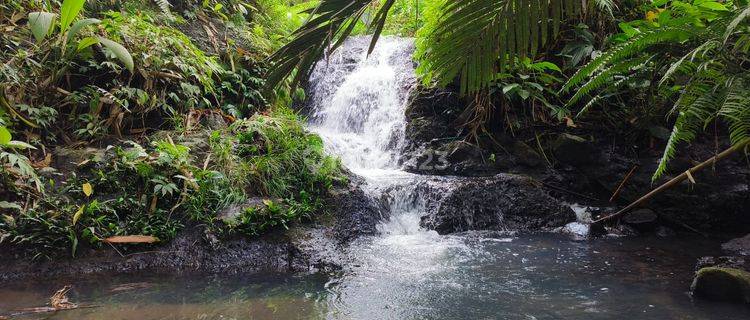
<point x="622" y="184"/>
<point x="675" y="181"/>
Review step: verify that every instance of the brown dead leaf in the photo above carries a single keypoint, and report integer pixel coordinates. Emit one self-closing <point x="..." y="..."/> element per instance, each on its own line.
<point x="43" y="163"/>
<point x="132" y="239"/>
<point x="60" y="301"/>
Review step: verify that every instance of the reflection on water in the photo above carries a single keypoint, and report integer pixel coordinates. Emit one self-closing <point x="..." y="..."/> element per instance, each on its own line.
<point x="410" y="276"/>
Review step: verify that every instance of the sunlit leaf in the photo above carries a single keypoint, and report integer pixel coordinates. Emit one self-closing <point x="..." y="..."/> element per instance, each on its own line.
<point x="20" y="145"/>
<point x="87" y="42"/>
<point x="78" y="214"/>
<point x="5" y="136"/>
<point x="119" y="51"/>
<point x="68" y="13"/>
<point x="80" y="25"/>
<point x="87" y="189"/>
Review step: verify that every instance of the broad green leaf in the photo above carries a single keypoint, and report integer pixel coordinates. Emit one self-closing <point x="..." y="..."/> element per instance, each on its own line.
<point x="68" y="12"/>
<point x="80" y="25"/>
<point x="87" y="189"/>
<point x="545" y="65"/>
<point x="41" y="24"/>
<point x="87" y="42"/>
<point x="5" y="136"/>
<point x="78" y="214"/>
<point x="119" y="51"/>
<point x="715" y="6"/>
<point x="627" y="29"/>
<point x="510" y="87"/>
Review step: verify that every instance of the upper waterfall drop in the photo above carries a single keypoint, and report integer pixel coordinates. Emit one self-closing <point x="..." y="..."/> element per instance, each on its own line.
<point x="358" y="101"/>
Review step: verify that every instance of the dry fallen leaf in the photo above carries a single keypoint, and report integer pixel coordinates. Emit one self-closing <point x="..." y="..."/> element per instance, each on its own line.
<point x="132" y="239"/>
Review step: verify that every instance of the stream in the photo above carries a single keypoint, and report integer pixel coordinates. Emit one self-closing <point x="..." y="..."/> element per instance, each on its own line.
<point x="407" y="272"/>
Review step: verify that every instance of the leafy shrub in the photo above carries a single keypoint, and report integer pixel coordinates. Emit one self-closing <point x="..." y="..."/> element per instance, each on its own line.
<point x="698" y="51"/>
<point x="283" y="156"/>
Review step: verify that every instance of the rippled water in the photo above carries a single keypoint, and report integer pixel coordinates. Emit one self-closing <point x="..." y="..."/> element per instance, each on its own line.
<point x="468" y="276"/>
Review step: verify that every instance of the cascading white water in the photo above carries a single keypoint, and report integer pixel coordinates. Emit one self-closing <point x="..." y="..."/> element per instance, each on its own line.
<point x="358" y="102"/>
<point x="358" y="107"/>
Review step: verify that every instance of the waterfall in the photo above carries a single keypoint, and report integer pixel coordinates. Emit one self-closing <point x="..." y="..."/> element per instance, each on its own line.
<point x="357" y="105"/>
<point x="358" y="102"/>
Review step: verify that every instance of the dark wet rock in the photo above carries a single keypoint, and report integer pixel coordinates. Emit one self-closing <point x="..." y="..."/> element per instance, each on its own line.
<point x="643" y="220"/>
<point x="665" y="232"/>
<point x="189" y="252"/>
<point x="354" y="214"/>
<point x="620" y="230"/>
<point x="502" y="202"/>
<point x="733" y="262"/>
<point x="573" y="150"/>
<point x="587" y="165"/>
<point x="722" y="284"/>
<point x="739" y="246"/>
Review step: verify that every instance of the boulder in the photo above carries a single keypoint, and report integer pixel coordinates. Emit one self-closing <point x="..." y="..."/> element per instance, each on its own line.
<point x="573" y="150"/>
<point x="642" y="220"/>
<point x="503" y="202"/>
<point x="722" y="284"/>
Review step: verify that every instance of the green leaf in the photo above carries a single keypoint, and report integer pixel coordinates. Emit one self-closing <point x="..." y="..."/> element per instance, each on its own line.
<point x="5" y="136"/>
<point x="119" y="51"/>
<point x="510" y="87"/>
<point x="545" y="65"/>
<point x="68" y="12"/>
<point x="78" y="214"/>
<point x="715" y="6"/>
<point x="628" y="29"/>
<point x="87" y="42"/>
<point x="80" y="25"/>
<point x="41" y="24"/>
<point x="20" y="145"/>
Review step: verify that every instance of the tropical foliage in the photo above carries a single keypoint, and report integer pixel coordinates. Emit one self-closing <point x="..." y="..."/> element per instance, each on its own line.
<point x="698" y="50"/>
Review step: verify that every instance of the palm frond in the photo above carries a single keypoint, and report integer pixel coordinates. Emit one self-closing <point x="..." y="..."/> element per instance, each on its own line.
<point x="473" y="39"/>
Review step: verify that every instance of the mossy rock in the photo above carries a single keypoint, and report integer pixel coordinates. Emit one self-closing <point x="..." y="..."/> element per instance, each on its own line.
<point x="722" y="284"/>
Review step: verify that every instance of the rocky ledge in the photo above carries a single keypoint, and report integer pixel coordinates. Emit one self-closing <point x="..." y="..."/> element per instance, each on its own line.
<point x="307" y="247"/>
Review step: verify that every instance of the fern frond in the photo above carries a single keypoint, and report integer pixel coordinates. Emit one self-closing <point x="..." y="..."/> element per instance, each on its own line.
<point x="633" y="47"/>
<point x="684" y="130"/>
<point x="607" y="76"/>
<point x="736" y="111"/>
<point x="738" y="19"/>
<point x="164" y="6"/>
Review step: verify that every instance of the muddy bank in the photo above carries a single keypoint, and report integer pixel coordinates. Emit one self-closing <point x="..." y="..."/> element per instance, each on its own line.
<point x="307" y="247"/>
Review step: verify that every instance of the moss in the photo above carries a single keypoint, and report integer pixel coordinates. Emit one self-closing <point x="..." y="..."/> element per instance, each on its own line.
<point x="722" y="284"/>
